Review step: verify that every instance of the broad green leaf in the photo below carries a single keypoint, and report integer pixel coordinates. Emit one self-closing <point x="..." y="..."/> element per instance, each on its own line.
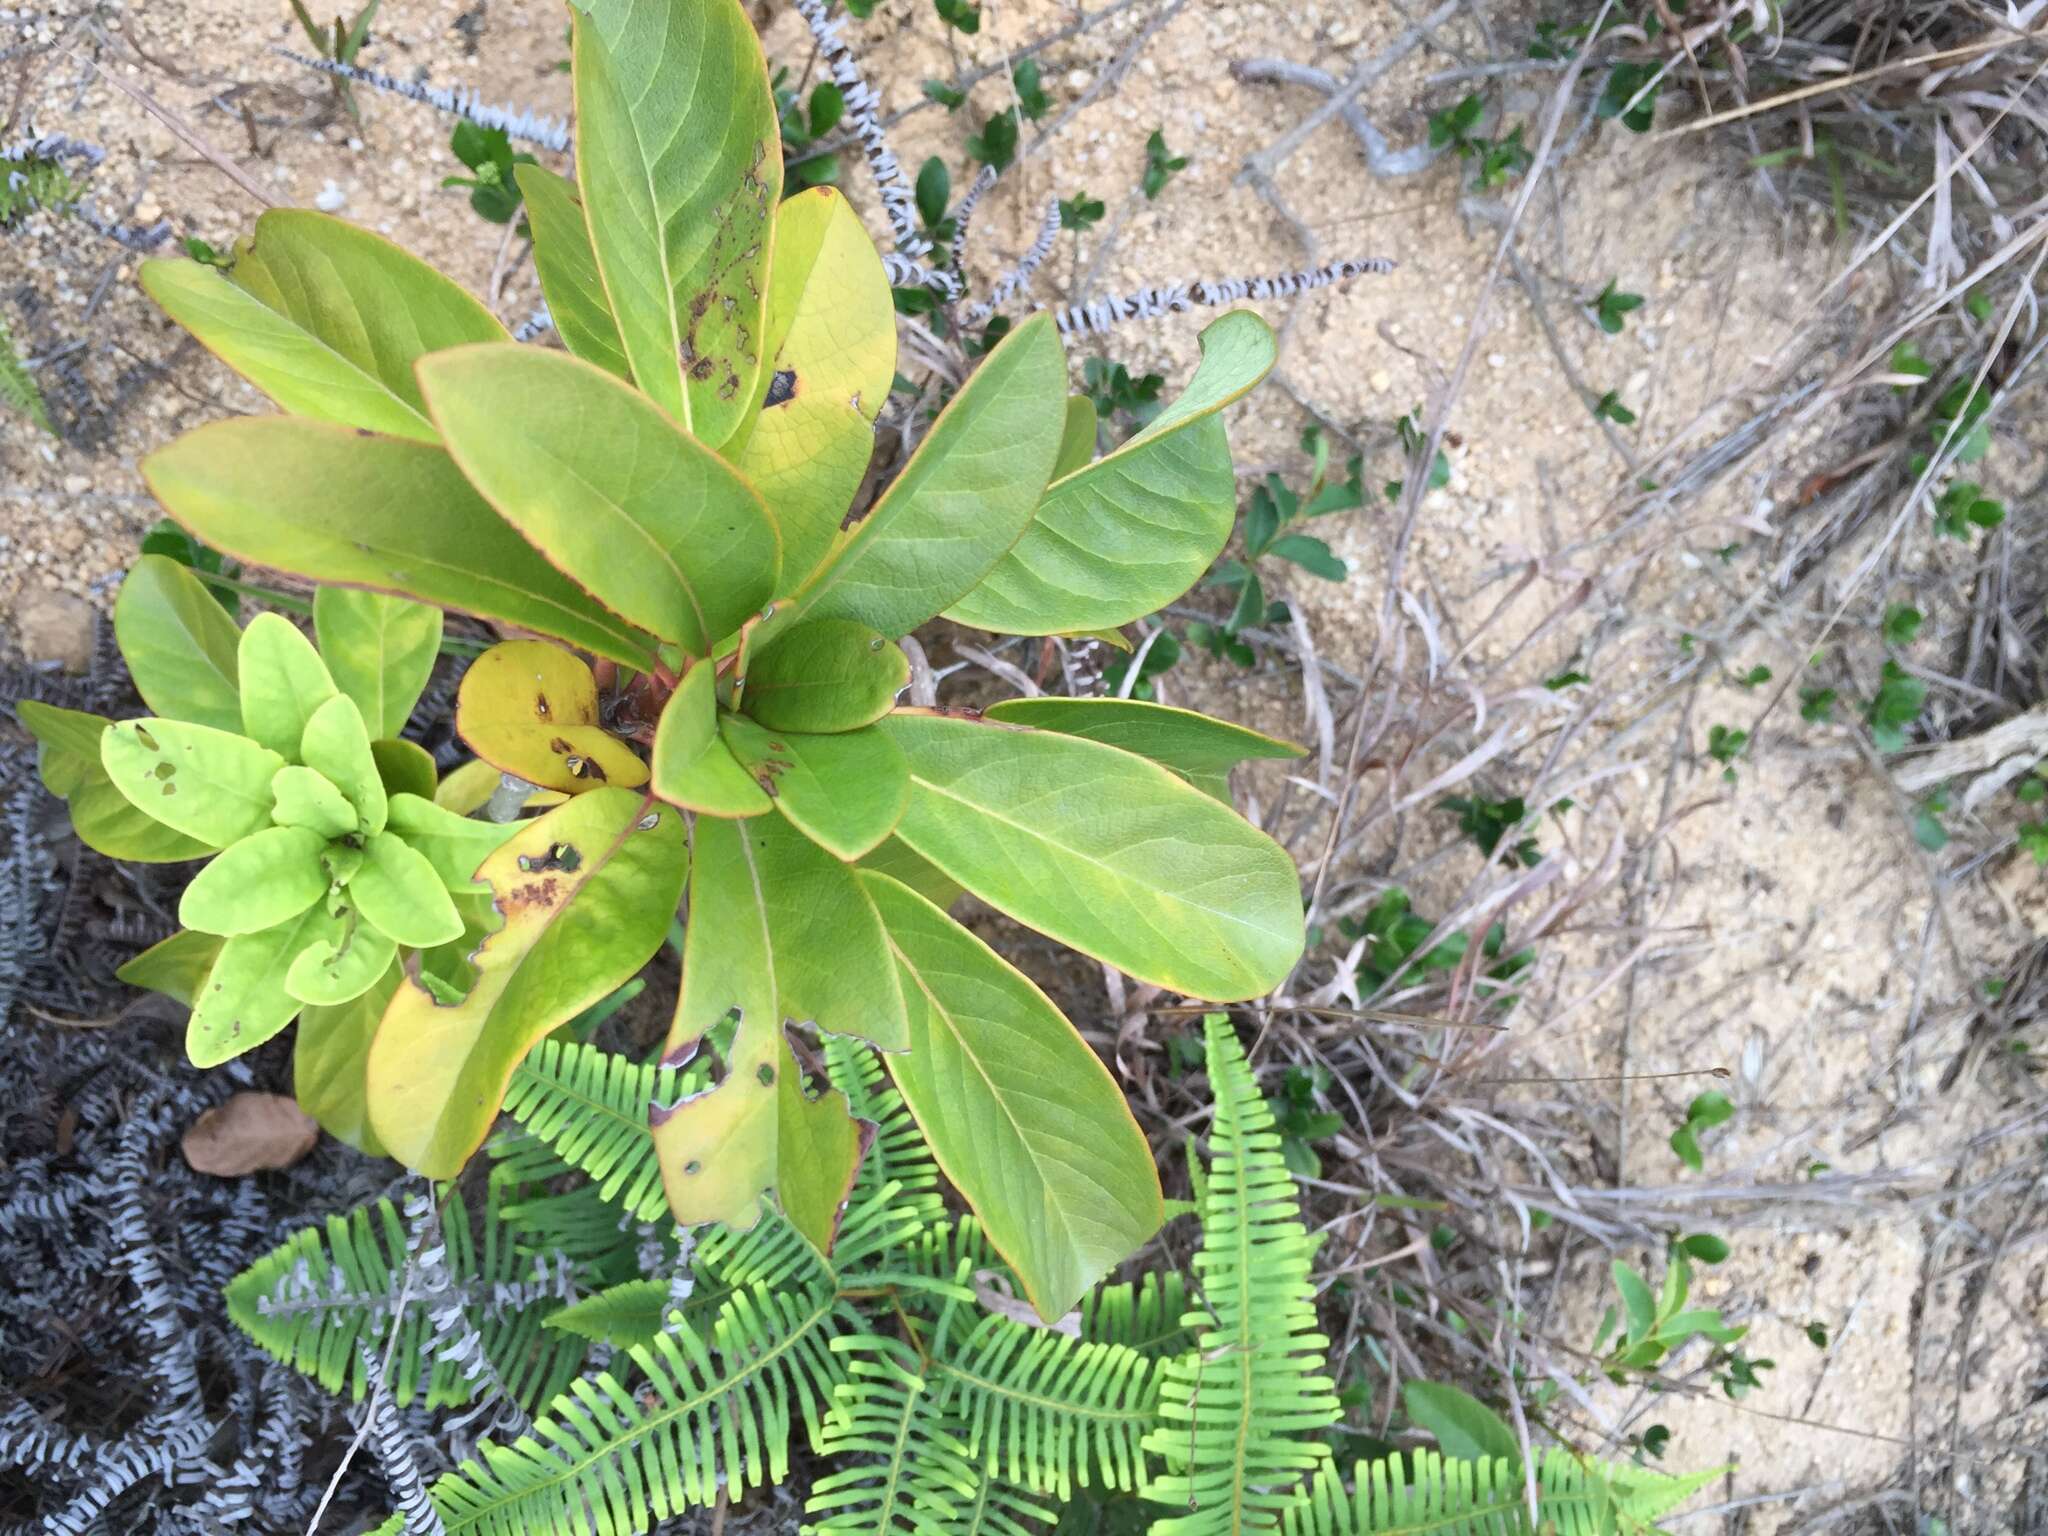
<point x="692" y="766"/>
<point x="829" y="954"/>
<point x="330" y="1058"/>
<point x="894" y="859"/>
<point x="208" y="784"/>
<point x="454" y="845"/>
<point x="680" y="156"/>
<point x="259" y="882"/>
<point x="1199" y="749"/>
<point x="638" y="513"/>
<point x="283" y="680"/>
<point x="1464" y="1427"/>
<point x="325" y="318"/>
<point x="567" y="268"/>
<point x="1103" y="851"/>
<point x="331" y="971"/>
<point x="176" y="967"/>
<point x="965" y="497"/>
<point x="1077" y="441"/>
<point x="380" y="649"/>
<point x="179" y="644"/>
<point x="1636" y="1297"/>
<point x="810" y="428"/>
<point x="69" y="743"/>
<point x="398" y="892"/>
<point x="333" y="505"/>
<point x="243" y="1001"/>
<point x="723" y="1151"/>
<point x="530" y="708"/>
<point x="108" y="822"/>
<point x="587" y="893"/>
<point x="826" y="676"/>
<point x="1023" y="1118"/>
<point x="308" y="799"/>
<point x="845" y="792"/>
<point x="405" y="768"/>
<point x="338" y="748"/>
<point x="1134" y="530"/>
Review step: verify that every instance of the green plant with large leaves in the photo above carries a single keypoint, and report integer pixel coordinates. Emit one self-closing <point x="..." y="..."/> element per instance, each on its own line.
<point x="677" y="515"/>
<point x="898" y="1380"/>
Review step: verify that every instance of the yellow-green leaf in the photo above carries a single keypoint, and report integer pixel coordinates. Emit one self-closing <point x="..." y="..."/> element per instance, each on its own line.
<point x="1199" y="749"/>
<point x="330" y="1059"/>
<point x="567" y="268"/>
<point x="1131" y="532"/>
<point x="530" y="708"/>
<point x="108" y="822"/>
<point x="325" y="318"/>
<point x="336" y="506"/>
<point x="818" y="1148"/>
<point x="380" y="649"/>
<point x="337" y="747"/>
<point x="334" y="970"/>
<point x="810" y="428"/>
<point x="243" y="1001"/>
<point x="825" y="676"/>
<point x="454" y="845"/>
<point x="68" y="742"/>
<point x="1022" y="1116"/>
<point x="306" y="798"/>
<point x="692" y="766"/>
<point x="642" y="516"/>
<point x="210" y="785"/>
<point x="283" y="680"/>
<point x="1104" y="851"/>
<point x="586" y="893"/>
<point x="1077" y="441"/>
<point x="404" y="767"/>
<point x="468" y="787"/>
<point x="680" y="156"/>
<point x="175" y="967"/>
<point x="965" y="497"/>
<point x="179" y="644"/>
<point x="398" y="892"/>
<point x="261" y="881"/>
<point x="845" y="792"/>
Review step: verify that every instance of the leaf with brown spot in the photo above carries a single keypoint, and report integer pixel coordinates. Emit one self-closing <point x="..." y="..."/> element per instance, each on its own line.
<point x="530" y="708"/>
<point x="249" y="1133"/>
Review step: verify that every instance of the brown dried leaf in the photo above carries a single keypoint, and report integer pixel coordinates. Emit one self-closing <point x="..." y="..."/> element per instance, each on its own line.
<point x="251" y="1131"/>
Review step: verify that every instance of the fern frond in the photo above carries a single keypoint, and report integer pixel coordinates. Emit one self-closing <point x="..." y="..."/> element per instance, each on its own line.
<point x="329" y="1292"/>
<point x="704" y="1412"/>
<point x="590" y="1105"/>
<point x="624" y="1316"/>
<point x="1043" y="1410"/>
<point x="896" y="1189"/>
<point x="1238" y="1413"/>
<point x="919" y="1478"/>
<point x="1148" y="1316"/>
<point x="17" y="386"/>
<point x="1446" y="1497"/>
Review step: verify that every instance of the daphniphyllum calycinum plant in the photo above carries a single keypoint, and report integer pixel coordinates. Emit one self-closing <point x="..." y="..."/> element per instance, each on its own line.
<point x="679" y="498"/>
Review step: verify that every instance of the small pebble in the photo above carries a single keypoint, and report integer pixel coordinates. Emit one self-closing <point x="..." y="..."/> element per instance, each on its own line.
<point x="331" y="199"/>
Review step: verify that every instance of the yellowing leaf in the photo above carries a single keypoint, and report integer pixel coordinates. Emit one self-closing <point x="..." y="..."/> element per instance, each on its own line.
<point x="818" y="1148"/>
<point x="965" y="497"/>
<point x="1129" y="533"/>
<point x="642" y="516"/>
<point x="845" y="792"/>
<point x="468" y="787"/>
<point x="259" y="882"/>
<point x="179" y="644"/>
<point x="810" y="427"/>
<point x="681" y="164"/>
<point x="586" y="894"/>
<point x="338" y="748"/>
<point x="336" y="506"/>
<point x="567" y="268"/>
<point x="1021" y="1115"/>
<point x="325" y="318"/>
<point x="210" y="785"/>
<point x="381" y="651"/>
<point x="826" y="676"/>
<point x="692" y="766"/>
<point x="283" y="680"/>
<point x="530" y="708"/>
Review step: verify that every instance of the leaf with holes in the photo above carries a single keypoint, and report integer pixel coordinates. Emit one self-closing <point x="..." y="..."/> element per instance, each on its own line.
<point x="107" y="821"/>
<point x="210" y="785"/>
<point x="1132" y="531"/>
<point x="530" y="708"/>
<point x="586" y="893"/>
<point x="845" y="792"/>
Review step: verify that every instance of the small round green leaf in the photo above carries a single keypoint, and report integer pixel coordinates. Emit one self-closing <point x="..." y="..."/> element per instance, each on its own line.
<point x="283" y="681"/>
<point x="261" y="881"/>
<point x="305" y="798"/>
<point x="397" y="890"/>
<point x="209" y="784"/>
<point x="179" y="644"/>
<point x="827" y="676"/>
<point x="846" y="793"/>
<point x="337" y="746"/>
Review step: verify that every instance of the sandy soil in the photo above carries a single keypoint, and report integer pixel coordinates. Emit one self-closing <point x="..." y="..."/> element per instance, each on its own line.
<point x="1782" y="924"/>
